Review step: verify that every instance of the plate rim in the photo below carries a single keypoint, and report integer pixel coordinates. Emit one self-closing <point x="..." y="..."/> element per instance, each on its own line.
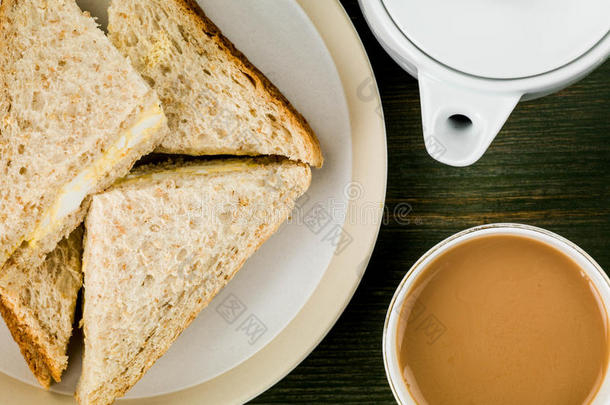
<point x="369" y="175"/>
<point x="335" y="41"/>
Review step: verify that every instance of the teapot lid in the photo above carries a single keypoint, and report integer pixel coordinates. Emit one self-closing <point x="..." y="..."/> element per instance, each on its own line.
<point x="502" y="39"/>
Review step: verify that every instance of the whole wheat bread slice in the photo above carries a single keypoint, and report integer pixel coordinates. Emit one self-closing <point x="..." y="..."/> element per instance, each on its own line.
<point x="159" y="246"/>
<point x="38" y="305"/>
<point x="68" y="102"/>
<point x="216" y="101"/>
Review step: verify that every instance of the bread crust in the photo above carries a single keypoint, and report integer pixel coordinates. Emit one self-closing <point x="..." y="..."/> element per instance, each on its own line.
<point x="36" y="357"/>
<point x="263" y="85"/>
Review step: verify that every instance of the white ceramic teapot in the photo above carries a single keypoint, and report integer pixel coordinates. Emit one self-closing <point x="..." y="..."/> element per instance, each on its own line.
<point x="476" y="59"/>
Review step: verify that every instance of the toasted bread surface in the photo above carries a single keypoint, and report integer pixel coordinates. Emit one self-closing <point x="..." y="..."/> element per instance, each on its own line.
<point x="67" y="97"/>
<point x="38" y="306"/>
<point x="159" y="246"/>
<point x="217" y="102"/>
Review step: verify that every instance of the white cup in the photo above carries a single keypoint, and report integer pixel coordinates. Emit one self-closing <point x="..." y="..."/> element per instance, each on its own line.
<point x="390" y="349"/>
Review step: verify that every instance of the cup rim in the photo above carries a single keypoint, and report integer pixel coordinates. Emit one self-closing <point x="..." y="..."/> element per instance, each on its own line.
<point x="601" y="283"/>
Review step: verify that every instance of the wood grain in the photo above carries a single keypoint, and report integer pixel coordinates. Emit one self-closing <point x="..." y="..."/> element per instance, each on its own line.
<point x="549" y="167"/>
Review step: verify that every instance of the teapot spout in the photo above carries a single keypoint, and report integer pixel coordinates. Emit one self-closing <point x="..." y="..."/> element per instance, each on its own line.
<point x="460" y="123"/>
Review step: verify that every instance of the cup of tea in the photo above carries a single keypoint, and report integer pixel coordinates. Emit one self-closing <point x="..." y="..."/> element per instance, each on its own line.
<point x="500" y="314"/>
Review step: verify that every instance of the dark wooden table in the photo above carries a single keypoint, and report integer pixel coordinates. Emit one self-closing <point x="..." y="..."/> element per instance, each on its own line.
<point x="549" y="167"/>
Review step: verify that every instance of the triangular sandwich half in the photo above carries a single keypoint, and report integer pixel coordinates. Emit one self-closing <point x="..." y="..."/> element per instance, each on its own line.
<point x="159" y="246"/>
<point x="38" y="305"/>
<point x="74" y="117"/>
<point x="216" y="101"/>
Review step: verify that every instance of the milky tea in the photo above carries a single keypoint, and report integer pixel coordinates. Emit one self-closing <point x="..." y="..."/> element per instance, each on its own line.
<point x="503" y="319"/>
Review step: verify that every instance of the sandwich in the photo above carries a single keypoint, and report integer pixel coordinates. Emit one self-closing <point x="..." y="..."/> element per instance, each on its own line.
<point x="38" y="305"/>
<point x="74" y="117"/>
<point x="216" y="101"/>
<point x="159" y="245"/>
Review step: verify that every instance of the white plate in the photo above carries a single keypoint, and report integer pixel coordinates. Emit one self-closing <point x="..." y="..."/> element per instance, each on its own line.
<point x="278" y="281"/>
